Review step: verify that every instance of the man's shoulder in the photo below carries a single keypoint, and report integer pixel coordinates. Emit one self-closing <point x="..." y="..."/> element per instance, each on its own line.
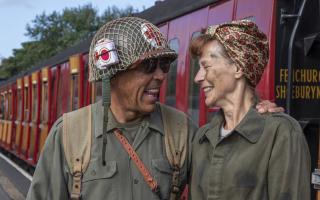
<point x="57" y="124"/>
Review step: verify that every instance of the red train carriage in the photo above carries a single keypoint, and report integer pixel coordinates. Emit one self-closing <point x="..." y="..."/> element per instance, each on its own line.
<point x="33" y="100"/>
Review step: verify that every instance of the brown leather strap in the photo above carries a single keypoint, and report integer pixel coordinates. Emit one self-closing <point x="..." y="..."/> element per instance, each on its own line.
<point x="134" y="156"/>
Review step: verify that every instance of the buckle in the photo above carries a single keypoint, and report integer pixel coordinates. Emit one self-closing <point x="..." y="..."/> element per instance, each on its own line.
<point x="176" y="182"/>
<point x="315" y="179"/>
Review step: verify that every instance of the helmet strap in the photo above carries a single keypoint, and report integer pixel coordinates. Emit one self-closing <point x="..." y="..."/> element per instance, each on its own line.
<point x="106" y="98"/>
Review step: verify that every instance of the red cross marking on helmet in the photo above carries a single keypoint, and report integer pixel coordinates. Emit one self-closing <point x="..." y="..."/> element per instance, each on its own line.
<point x="149" y="33"/>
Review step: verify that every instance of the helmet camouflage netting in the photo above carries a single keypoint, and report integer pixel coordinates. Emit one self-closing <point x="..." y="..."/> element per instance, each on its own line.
<point x="122" y="42"/>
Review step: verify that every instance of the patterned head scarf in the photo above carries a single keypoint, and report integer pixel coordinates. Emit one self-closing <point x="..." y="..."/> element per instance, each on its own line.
<point x="245" y="44"/>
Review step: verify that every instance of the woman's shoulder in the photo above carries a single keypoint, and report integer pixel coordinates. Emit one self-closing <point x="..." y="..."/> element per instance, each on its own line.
<point x="283" y="122"/>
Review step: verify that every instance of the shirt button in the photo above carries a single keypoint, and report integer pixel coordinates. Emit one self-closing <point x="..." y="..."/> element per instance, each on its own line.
<point x="135" y="181"/>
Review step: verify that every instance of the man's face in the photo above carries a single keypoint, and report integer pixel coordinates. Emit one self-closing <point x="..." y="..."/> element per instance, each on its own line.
<point x="216" y="75"/>
<point x="137" y="89"/>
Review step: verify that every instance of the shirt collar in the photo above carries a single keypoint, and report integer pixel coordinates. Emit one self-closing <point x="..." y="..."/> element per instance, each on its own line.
<point x="153" y="120"/>
<point x="250" y="127"/>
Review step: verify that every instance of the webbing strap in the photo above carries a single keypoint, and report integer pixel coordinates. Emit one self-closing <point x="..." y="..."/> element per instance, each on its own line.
<point x="134" y="156"/>
<point x="76" y="140"/>
<point x="76" y="180"/>
<point x="175" y="126"/>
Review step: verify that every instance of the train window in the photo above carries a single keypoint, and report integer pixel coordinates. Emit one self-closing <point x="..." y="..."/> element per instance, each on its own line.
<point x="10" y="105"/>
<point x="85" y="82"/>
<point x="74" y="100"/>
<point x="59" y="96"/>
<point x="44" y="113"/>
<point x="193" y="107"/>
<point x="2" y="106"/>
<point x="54" y="93"/>
<point x="172" y="76"/>
<point x="250" y="18"/>
<point x="6" y="105"/>
<point x="19" y="104"/>
<point x="34" y="102"/>
<point x="26" y="103"/>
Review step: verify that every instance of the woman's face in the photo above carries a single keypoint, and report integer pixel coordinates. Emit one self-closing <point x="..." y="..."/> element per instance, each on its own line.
<point x="217" y="74"/>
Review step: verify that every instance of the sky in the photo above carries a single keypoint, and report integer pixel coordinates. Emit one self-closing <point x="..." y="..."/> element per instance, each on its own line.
<point x="15" y="14"/>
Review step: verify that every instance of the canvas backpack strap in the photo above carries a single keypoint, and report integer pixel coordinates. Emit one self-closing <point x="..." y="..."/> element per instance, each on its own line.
<point x="76" y="140"/>
<point x="175" y="124"/>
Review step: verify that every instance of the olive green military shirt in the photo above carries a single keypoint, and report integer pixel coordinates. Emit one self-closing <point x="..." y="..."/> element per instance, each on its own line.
<point x="120" y="178"/>
<point x="265" y="157"/>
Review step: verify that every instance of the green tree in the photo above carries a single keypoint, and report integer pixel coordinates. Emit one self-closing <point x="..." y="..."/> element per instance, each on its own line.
<point x="52" y="33"/>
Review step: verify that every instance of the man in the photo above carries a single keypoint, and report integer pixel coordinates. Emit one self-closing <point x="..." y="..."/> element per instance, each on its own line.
<point x="134" y="56"/>
<point x="129" y="156"/>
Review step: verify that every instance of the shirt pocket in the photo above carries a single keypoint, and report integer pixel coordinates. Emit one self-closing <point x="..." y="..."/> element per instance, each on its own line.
<point x="162" y="172"/>
<point x="98" y="181"/>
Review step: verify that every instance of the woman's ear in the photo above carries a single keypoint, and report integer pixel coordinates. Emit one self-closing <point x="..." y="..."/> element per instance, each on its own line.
<point x="238" y="71"/>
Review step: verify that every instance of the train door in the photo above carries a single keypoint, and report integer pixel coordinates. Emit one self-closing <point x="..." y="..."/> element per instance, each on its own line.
<point x="95" y="90"/>
<point x="19" y="118"/>
<point x="6" y="116"/>
<point x="174" y="93"/>
<point x="54" y="86"/>
<point x="2" y="115"/>
<point x="63" y="97"/>
<point x="76" y="82"/>
<point x="35" y="114"/>
<point x="45" y="106"/>
<point x="87" y="86"/>
<point x="26" y="116"/>
<point x="9" y="120"/>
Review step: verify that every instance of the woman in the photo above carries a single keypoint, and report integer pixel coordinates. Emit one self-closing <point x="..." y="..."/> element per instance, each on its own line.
<point x="242" y="154"/>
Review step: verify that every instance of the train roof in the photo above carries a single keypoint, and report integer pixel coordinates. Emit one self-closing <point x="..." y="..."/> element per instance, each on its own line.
<point x="161" y="12"/>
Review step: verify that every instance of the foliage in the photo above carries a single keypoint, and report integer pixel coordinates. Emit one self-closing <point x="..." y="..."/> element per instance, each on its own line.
<point x="51" y="33"/>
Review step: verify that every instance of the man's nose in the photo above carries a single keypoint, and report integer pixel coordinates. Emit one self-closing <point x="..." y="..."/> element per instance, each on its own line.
<point x="159" y="74"/>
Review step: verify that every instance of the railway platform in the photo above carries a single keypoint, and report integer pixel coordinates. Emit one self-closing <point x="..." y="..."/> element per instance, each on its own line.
<point x="14" y="181"/>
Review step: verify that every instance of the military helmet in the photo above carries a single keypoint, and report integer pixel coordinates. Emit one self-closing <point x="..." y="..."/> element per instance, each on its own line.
<point x="123" y="42"/>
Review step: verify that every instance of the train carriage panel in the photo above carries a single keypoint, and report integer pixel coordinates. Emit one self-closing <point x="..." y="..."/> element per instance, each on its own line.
<point x="19" y="117"/>
<point x="63" y="98"/>
<point x="76" y="82"/>
<point x="11" y="126"/>
<point x="262" y="13"/>
<point x="45" y="107"/>
<point x="35" y="112"/>
<point x="2" y="104"/>
<point x="54" y="86"/>
<point x="27" y="115"/>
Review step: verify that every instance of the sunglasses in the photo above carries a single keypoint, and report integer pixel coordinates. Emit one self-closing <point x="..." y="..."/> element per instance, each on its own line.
<point x="150" y="65"/>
